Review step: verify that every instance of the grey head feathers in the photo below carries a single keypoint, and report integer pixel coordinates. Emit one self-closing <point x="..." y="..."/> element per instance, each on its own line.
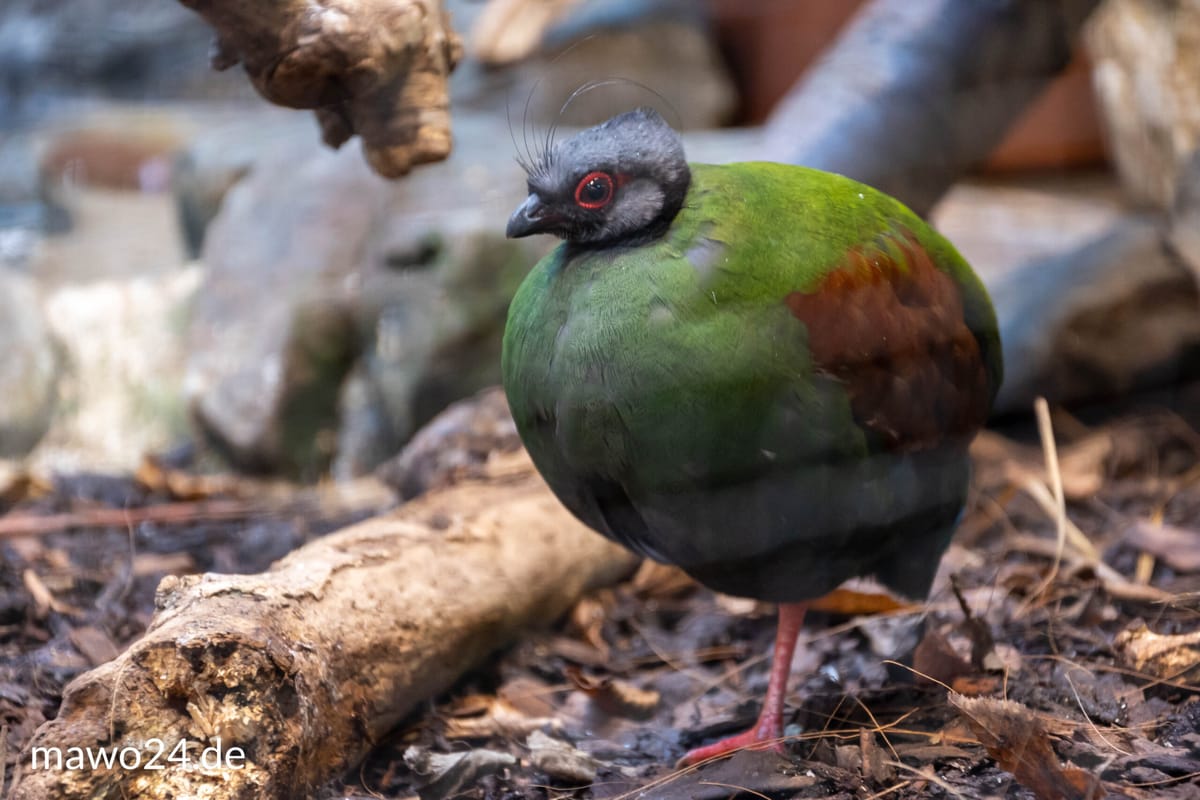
<point x="620" y="182"/>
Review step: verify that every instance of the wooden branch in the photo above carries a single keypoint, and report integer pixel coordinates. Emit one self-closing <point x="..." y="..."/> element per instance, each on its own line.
<point x="306" y="666"/>
<point x="915" y="92"/>
<point x="377" y="68"/>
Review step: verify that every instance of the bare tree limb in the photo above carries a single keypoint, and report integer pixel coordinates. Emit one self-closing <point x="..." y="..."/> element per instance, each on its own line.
<point x="306" y="666"/>
<point x="376" y="68"/>
<point x="915" y="92"/>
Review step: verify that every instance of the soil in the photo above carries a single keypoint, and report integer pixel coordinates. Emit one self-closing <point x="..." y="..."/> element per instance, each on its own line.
<point x="1032" y="672"/>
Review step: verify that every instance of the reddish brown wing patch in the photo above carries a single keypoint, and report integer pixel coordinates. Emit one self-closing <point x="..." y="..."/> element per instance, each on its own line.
<point x="889" y="325"/>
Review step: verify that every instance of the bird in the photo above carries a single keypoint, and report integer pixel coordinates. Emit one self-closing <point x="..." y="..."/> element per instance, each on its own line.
<point x="765" y="374"/>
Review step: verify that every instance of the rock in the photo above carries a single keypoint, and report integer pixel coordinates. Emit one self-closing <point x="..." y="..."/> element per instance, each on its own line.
<point x="456" y="443"/>
<point x="414" y="276"/>
<point x="25" y="213"/>
<point x="1115" y="315"/>
<point x="29" y="367"/>
<point x="364" y="435"/>
<point x="220" y="155"/>
<point x="1147" y="79"/>
<point x="1090" y="301"/>
<point x="121" y="396"/>
<point x="51" y="49"/>
<point x="271" y="335"/>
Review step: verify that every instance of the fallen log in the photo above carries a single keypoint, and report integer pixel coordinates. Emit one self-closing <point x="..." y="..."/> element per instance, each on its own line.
<point x="305" y="667"/>
<point x="376" y="68"/>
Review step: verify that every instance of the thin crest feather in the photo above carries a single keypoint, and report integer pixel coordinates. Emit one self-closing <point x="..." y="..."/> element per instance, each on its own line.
<point x="542" y="155"/>
<point x="598" y="83"/>
<point x="531" y="159"/>
<point x="522" y="161"/>
<point x="535" y="158"/>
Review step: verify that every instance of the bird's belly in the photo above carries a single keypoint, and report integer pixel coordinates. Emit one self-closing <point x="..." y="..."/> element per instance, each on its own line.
<point x="716" y="450"/>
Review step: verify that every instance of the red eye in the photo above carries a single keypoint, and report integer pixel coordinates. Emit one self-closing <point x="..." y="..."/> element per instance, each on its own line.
<point x="594" y="191"/>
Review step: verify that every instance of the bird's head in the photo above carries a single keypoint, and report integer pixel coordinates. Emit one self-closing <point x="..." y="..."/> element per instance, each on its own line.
<point x="622" y="181"/>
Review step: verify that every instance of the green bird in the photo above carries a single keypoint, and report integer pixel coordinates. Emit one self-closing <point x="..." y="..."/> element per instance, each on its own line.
<point x="765" y="374"/>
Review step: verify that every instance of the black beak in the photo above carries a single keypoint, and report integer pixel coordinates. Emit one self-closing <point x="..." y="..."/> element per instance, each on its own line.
<point x="530" y="217"/>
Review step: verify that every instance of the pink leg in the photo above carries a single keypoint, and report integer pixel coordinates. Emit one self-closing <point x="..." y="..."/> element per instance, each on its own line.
<point x="767" y="733"/>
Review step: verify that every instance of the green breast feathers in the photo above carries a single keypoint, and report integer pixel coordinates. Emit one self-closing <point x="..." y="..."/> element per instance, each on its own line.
<point x="785" y="367"/>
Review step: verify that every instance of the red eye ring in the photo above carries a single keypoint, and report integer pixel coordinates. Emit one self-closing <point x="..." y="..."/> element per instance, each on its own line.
<point x="594" y="191"/>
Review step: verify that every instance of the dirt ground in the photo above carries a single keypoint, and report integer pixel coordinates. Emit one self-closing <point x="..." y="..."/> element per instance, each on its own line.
<point x="1036" y="670"/>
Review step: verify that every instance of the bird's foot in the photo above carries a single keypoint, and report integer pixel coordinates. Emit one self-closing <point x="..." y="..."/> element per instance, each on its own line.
<point x="767" y="734"/>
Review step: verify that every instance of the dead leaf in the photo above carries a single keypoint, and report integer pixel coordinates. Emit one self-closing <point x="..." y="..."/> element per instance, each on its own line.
<point x="561" y="760"/>
<point x="588" y="617"/>
<point x="744" y="775"/>
<point x="1178" y="548"/>
<point x="163" y="563"/>
<point x="1015" y="738"/>
<point x="661" y="580"/>
<point x="977" y="685"/>
<point x="496" y="718"/>
<point x="1084" y="466"/>
<point x="530" y="696"/>
<point x="44" y="601"/>
<point x="1003" y="658"/>
<point x="18" y="484"/>
<point x="936" y="661"/>
<point x="446" y="775"/>
<point x="931" y="752"/>
<point x="615" y="697"/>
<point x="875" y="761"/>
<point x="180" y="485"/>
<point x="1170" y="657"/>
<point x="858" y="598"/>
<point x="95" y="644"/>
<point x="576" y="651"/>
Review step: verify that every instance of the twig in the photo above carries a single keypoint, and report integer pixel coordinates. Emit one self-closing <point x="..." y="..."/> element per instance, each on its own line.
<point x="1114" y="582"/>
<point x="15" y="525"/>
<point x="889" y="790"/>
<point x="925" y="773"/>
<point x="740" y="789"/>
<point x="1056" y="507"/>
<point x="1050" y="451"/>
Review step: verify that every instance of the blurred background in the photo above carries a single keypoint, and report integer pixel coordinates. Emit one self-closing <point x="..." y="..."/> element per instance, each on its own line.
<point x="186" y="271"/>
<point x="218" y="336"/>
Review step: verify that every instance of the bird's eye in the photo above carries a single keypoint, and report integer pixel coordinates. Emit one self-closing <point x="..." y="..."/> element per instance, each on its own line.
<point x="594" y="191"/>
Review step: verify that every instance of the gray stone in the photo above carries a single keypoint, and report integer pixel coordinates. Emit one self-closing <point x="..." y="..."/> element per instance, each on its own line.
<point x="272" y="334"/>
<point x="29" y="367"/>
<point x="51" y="49"/>
<point x="455" y="444"/>
<point x="1115" y="315"/>
<point x="220" y="155"/>
<point x="121" y="393"/>
<point x="1090" y="301"/>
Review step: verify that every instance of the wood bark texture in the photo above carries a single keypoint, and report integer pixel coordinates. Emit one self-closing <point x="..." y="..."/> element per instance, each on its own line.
<point x="306" y="666"/>
<point x="1147" y="79"/>
<point x="376" y="68"/>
